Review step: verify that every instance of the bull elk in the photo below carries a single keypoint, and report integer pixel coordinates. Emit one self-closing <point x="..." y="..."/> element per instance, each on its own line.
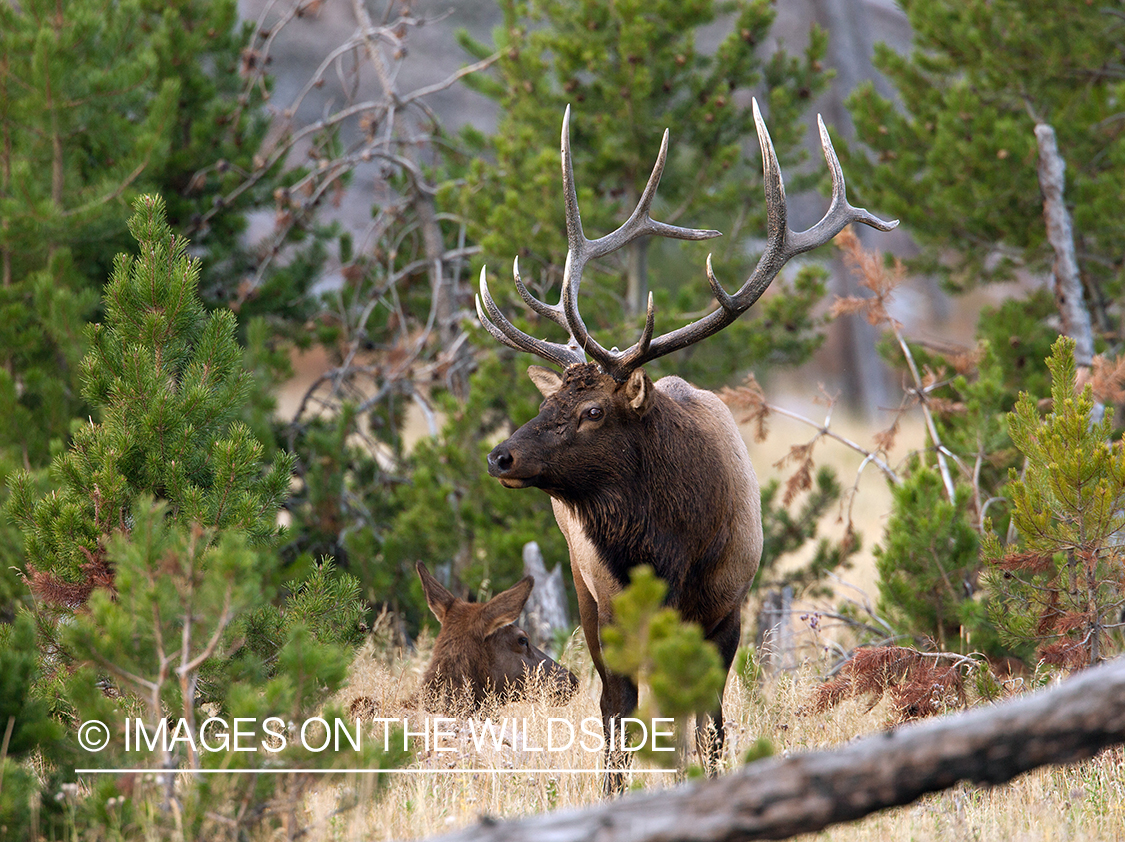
<point x="644" y="473"/>
<point x="480" y="648"/>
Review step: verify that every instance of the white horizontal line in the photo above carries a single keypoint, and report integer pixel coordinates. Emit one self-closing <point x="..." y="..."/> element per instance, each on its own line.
<point x="362" y="771"/>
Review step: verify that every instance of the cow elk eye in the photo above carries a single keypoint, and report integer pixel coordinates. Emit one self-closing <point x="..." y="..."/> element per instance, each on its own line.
<point x="523" y="641"/>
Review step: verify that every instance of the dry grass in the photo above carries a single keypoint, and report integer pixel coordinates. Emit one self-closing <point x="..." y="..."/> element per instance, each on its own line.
<point x="1083" y="802"/>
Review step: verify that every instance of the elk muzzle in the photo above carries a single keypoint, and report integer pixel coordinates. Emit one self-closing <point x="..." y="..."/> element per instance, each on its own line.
<point x="505" y="465"/>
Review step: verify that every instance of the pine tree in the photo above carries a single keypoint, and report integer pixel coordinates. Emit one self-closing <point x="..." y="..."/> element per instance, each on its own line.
<point x="98" y="103"/>
<point x="158" y="547"/>
<point x="928" y="560"/>
<point x="1060" y="586"/>
<point x="955" y="155"/>
<point x="170" y="382"/>
<point x="80" y="120"/>
<point x="30" y="729"/>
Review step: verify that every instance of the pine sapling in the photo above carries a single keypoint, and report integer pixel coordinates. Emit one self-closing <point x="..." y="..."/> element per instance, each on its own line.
<point x="680" y="670"/>
<point x="168" y="379"/>
<point x="1061" y="583"/>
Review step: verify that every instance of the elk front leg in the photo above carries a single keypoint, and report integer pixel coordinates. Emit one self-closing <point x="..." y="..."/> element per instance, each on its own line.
<point x="619" y="693"/>
<point x="619" y="699"/>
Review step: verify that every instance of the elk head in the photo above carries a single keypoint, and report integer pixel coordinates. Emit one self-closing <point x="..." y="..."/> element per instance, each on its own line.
<point x="614" y="389"/>
<point x="587" y="413"/>
<point x="480" y="646"/>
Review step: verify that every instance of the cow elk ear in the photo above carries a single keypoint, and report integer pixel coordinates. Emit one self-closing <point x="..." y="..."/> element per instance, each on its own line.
<point x="546" y="380"/>
<point x="505" y="608"/>
<point x="638" y="390"/>
<point x="438" y="596"/>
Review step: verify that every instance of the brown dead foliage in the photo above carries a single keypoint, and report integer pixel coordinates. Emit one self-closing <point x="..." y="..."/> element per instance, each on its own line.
<point x="95" y="572"/>
<point x="916" y="684"/>
<point x="1107" y="379"/>
<point x="48" y="588"/>
<point x="750" y="400"/>
<point x="874" y="275"/>
<point x="1028" y="560"/>
<point x="1067" y="654"/>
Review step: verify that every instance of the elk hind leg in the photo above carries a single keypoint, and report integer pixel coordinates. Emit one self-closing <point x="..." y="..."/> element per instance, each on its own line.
<point x="709" y="731"/>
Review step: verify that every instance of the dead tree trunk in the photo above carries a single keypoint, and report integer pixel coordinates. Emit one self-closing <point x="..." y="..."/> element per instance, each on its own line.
<point x="1066" y="278"/>
<point x="775" y="631"/>
<point x="545" y="612"/>
<point x="781" y="797"/>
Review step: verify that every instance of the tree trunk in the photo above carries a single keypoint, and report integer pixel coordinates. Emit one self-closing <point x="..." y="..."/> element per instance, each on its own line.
<point x="775" y="631"/>
<point x="636" y="278"/>
<point x="780" y="797"/>
<point x="546" y="609"/>
<point x="866" y="382"/>
<point x="1066" y="278"/>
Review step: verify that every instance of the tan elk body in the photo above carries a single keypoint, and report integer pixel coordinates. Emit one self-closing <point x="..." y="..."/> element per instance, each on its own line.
<point x="480" y="651"/>
<point x="643" y="473"/>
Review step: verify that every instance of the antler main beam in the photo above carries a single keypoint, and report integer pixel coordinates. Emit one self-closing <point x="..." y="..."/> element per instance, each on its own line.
<point x="782" y="245"/>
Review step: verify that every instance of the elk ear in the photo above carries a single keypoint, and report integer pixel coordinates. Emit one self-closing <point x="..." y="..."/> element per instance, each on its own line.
<point x="505" y="608"/>
<point x="638" y="390"/>
<point x="438" y="596"/>
<point x="546" y="380"/>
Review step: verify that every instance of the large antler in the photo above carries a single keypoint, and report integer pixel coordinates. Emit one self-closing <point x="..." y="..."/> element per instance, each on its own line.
<point x="782" y="244"/>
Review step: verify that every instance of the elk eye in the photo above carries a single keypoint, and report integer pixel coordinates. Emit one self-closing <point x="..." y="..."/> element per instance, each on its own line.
<point x="523" y="641"/>
<point x="594" y="413"/>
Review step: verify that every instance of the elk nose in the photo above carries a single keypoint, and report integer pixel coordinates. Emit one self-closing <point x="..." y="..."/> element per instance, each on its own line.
<point x="500" y="460"/>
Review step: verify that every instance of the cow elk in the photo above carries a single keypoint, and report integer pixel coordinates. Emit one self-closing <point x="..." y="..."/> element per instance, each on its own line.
<point x="480" y="651"/>
<point x="644" y="473"/>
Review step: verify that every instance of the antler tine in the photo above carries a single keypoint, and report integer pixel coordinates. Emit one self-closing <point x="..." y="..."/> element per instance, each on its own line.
<point x="577" y="253"/>
<point x="629" y="360"/>
<point x="840" y="212"/>
<point x="581" y="250"/>
<point x="640" y="223"/>
<point x="507" y="333"/>
<point x="574" y="235"/>
<point x="777" y="211"/>
<point x="781" y="244"/>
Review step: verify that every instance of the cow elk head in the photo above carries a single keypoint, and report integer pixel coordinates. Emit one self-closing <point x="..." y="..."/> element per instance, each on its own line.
<point x="481" y="648"/>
